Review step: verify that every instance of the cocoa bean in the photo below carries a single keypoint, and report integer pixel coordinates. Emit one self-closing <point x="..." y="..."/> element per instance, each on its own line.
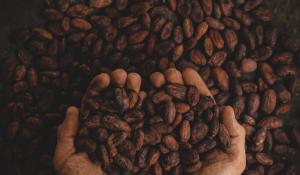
<point x="271" y="122"/>
<point x="185" y="131"/>
<point x="260" y="136"/>
<point x="269" y="101"/>
<point x="177" y="91"/>
<point x="253" y="104"/>
<point x="264" y="159"/>
<point x="222" y="78"/>
<point x="198" y="132"/>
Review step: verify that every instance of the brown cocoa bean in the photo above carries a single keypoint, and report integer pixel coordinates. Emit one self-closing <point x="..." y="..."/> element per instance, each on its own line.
<point x="104" y="156"/>
<point x="214" y="23"/>
<point x="170" y="142"/>
<point x="115" y="124"/>
<point x="248" y="65"/>
<point x="253" y="104"/>
<point x="185" y="131"/>
<point x="170" y="112"/>
<point x="216" y="38"/>
<point x="243" y="17"/>
<point x="269" y="101"/>
<point x="100" y="3"/>
<point x="80" y="24"/>
<point x="170" y="160"/>
<point x="153" y="156"/>
<point x="267" y="73"/>
<point x="78" y="10"/>
<point x="231" y="23"/>
<point x="207" y="6"/>
<point x="201" y="30"/>
<point x="176" y="90"/>
<point x="231" y="39"/>
<point x="271" y="122"/>
<point x="123" y="162"/>
<point x="217" y="59"/>
<point x="264" y="159"/>
<point x="188" y="28"/>
<point x="260" y="136"/>
<point x="197" y="57"/>
<point x="208" y="46"/>
<point x="263" y="14"/>
<point x="221" y="78"/>
<point x="199" y="131"/>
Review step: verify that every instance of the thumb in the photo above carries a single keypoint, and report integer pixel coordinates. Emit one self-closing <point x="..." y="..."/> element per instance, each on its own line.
<point x="230" y="122"/>
<point x="65" y="138"/>
<point x="237" y="134"/>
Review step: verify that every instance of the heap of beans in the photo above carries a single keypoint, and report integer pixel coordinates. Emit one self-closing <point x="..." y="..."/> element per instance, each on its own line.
<point x="230" y="43"/>
<point x="175" y="129"/>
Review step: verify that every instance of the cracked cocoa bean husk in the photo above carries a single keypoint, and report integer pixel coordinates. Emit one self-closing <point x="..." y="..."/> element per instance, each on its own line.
<point x="230" y="43"/>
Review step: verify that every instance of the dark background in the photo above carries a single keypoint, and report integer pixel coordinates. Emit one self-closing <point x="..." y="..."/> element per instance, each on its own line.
<point x="27" y="13"/>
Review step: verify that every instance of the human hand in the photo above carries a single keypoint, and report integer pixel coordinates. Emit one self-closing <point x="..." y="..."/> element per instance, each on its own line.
<point x="233" y="160"/>
<point x="66" y="160"/>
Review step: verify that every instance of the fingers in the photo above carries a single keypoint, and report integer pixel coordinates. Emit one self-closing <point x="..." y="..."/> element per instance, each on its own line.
<point x="237" y="133"/>
<point x="65" y="137"/>
<point x="188" y="76"/>
<point x="192" y="78"/>
<point x="69" y="127"/>
<point x="230" y="122"/>
<point x="173" y="76"/>
<point x="134" y="82"/>
<point x="118" y="77"/>
<point x="100" y="82"/>
<point x="157" y="79"/>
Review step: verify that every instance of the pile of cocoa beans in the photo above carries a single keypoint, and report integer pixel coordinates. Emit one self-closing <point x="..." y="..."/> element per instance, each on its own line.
<point x="166" y="131"/>
<point x="230" y="43"/>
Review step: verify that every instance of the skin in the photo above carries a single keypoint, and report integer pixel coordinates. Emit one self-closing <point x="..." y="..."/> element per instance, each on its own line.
<point x="68" y="162"/>
<point x="233" y="160"/>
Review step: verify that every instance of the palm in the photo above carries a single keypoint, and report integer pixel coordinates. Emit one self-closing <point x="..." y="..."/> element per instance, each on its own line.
<point x="233" y="160"/>
<point x="66" y="160"/>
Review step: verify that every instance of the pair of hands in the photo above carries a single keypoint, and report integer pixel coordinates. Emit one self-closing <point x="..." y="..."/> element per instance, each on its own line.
<point x="68" y="162"/>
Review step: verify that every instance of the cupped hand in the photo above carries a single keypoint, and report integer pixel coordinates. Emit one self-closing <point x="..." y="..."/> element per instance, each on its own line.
<point x="66" y="160"/>
<point x="232" y="161"/>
